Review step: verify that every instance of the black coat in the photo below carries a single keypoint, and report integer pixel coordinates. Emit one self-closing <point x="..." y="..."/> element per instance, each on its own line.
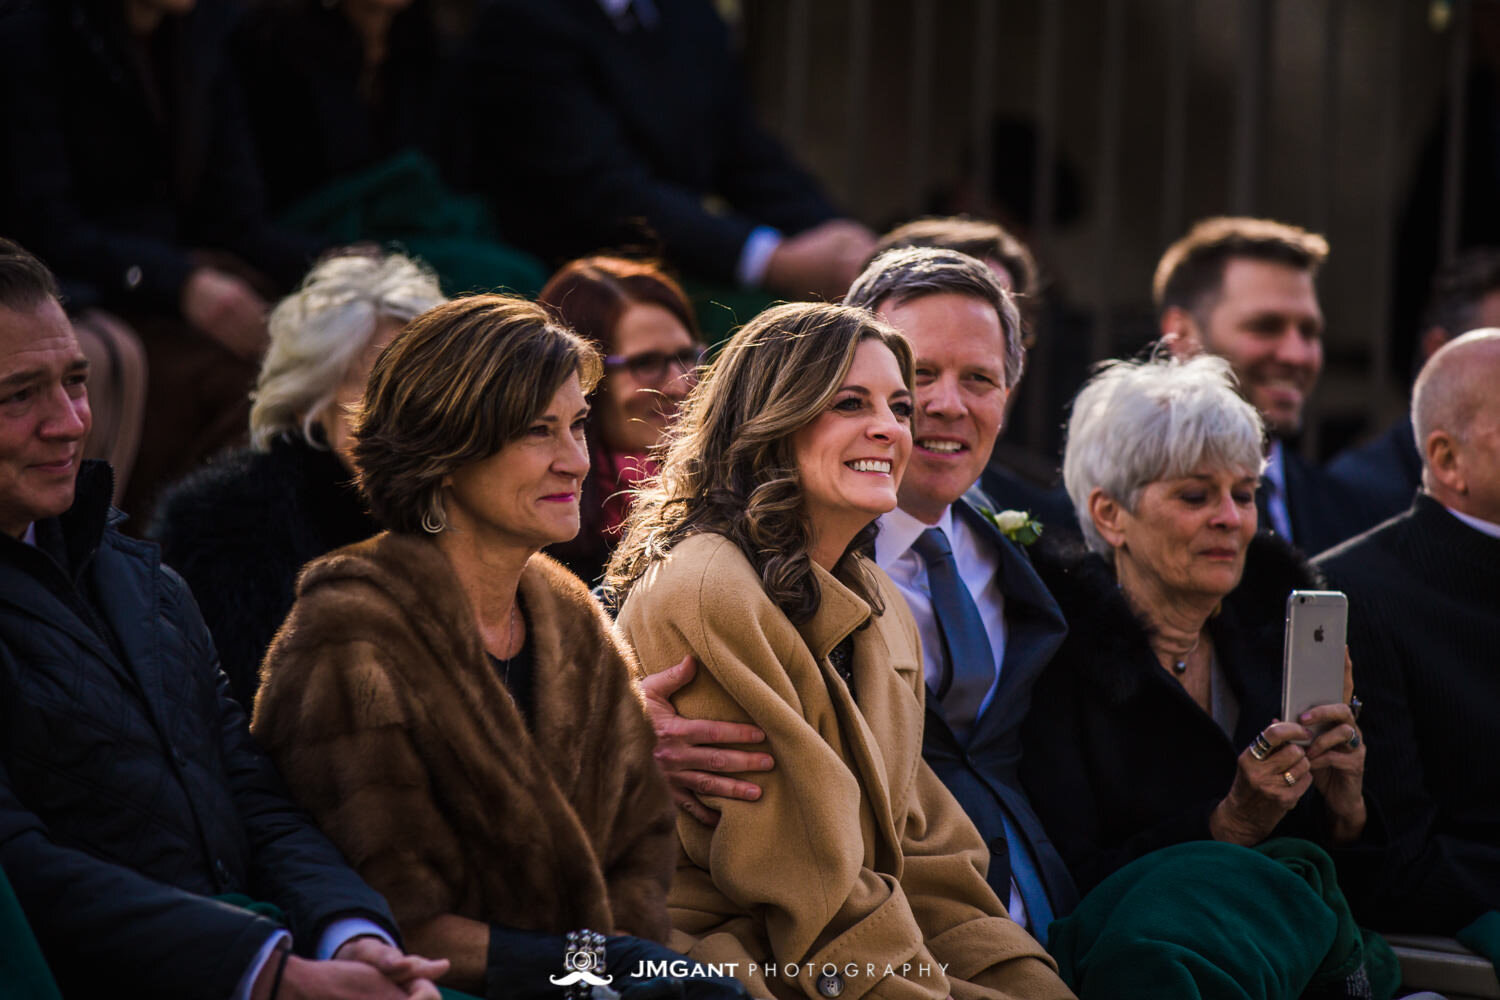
<point x="1323" y="511"/>
<point x="241" y="528"/>
<point x="578" y="133"/>
<point x="123" y="158"/>
<point x="1119" y="759"/>
<point x="130" y="788"/>
<point x="1424" y="629"/>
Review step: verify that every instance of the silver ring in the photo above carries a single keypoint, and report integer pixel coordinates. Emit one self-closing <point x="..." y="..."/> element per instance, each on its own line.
<point x="1353" y="741"/>
<point x="1257" y="752"/>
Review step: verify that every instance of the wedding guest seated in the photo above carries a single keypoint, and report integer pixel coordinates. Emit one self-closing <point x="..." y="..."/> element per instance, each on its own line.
<point x="1155" y="722"/>
<point x="1424" y="599"/>
<point x="241" y="528"/>
<point x="857" y="869"/>
<point x="452" y="706"/>
<point x="642" y="323"/>
<point x="133" y="804"/>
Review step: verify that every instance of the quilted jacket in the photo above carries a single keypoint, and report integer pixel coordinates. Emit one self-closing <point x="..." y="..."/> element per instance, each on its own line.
<point x="129" y="787"/>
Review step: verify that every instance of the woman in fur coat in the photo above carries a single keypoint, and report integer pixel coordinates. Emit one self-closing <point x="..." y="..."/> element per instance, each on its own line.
<point x="452" y="706"/>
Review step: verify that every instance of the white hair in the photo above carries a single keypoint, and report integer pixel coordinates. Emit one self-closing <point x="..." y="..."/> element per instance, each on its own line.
<point x="1136" y="422"/>
<point x="319" y="330"/>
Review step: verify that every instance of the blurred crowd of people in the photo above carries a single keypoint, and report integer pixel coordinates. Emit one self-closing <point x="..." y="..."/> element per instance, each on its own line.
<point x="489" y="625"/>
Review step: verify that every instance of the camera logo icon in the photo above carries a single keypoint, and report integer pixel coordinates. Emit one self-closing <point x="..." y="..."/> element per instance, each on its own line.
<point x="583" y="966"/>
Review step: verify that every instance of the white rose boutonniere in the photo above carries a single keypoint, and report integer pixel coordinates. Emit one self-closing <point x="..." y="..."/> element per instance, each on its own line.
<point x="1017" y="525"/>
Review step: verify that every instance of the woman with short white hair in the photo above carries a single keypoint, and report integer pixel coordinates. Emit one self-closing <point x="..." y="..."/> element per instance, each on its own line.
<point x="240" y="528"/>
<point x="1156" y="722"/>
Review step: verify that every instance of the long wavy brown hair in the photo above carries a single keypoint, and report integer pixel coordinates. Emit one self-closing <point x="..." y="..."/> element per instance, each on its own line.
<point x="728" y="465"/>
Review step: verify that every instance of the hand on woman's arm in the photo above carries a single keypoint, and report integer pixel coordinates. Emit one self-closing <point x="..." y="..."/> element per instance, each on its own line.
<point x="691" y="751"/>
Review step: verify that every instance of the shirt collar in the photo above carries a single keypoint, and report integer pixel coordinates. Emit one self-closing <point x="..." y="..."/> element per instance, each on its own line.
<point x="1478" y="524"/>
<point x="898" y="530"/>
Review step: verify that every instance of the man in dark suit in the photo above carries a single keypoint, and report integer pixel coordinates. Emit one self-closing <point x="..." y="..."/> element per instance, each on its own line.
<point x="1424" y="612"/>
<point x="988" y="625"/>
<point x="1387" y="471"/>
<point x="1244" y="289"/>
<point x="591" y="124"/>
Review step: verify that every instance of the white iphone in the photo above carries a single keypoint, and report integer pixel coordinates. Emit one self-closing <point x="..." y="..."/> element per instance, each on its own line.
<point x="1312" y="657"/>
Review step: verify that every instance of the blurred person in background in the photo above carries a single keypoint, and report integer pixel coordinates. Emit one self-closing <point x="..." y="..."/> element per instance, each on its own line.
<point x="628" y="123"/>
<point x="131" y="171"/>
<point x="241" y="528"/>
<point x="1245" y="289"/>
<point x="642" y="324"/>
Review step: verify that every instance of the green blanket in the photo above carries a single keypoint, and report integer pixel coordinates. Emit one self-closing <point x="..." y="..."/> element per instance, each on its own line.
<point x="23" y="971"/>
<point x="1483" y="937"/>
<point x="1220" y="922"/>
<point x="404" y="201"/>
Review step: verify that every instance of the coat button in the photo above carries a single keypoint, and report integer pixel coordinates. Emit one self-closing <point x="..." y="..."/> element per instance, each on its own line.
<point x="830" y="985"/>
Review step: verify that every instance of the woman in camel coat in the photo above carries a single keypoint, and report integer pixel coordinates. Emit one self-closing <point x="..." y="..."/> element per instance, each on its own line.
<point x="857" y="873"/>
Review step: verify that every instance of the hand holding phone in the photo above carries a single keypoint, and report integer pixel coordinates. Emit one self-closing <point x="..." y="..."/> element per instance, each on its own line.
<point x="1313" y="652"/>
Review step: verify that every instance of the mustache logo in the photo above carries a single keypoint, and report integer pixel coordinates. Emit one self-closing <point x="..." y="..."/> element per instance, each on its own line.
<point x="582" y="965"/>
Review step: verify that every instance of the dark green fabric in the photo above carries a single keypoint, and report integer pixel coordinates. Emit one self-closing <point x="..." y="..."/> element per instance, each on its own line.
<point x="1220" y="922"/>
<point x="722" y="309"/>
<point x="1483" y="937"/>
<point x="256" y="906"/>
<point x="455" y="995"/>
<point x="404" y="201"/>
<point x="23" y="970"/>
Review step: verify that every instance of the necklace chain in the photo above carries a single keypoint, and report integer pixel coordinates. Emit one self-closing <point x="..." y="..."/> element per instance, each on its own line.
<point x="510" y="638"/>
<point x="1179" y="666"/>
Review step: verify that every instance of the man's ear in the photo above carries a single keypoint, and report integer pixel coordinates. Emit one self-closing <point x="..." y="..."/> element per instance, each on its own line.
<point x="1108" y="515"/>
<point x="1443" y="462"/>
<point x="1179" y="331"/>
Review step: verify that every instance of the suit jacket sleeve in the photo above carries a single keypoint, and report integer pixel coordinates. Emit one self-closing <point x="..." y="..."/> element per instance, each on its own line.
<point x="89" y="913"/>
<point x="1431" y="880"/>
<point x="292" y="863"/>
<point x="794" y="859"/>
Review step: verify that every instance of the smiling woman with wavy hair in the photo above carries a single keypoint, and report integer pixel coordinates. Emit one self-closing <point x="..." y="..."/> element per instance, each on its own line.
<point x="728" y="466"/>
<point x="749" y="554"/>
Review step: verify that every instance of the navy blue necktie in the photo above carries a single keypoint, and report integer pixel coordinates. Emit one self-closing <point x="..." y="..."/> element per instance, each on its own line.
<point x="970" y="670"/>
<point x="967" y="677"/>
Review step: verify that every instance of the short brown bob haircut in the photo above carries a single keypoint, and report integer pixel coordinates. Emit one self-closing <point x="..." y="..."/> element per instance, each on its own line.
<point x="461" y="382"/>
<point x="1190" y="274"/>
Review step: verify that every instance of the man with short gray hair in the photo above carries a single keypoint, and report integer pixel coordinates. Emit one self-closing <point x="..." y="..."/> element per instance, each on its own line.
<point x="1424" y="614"/>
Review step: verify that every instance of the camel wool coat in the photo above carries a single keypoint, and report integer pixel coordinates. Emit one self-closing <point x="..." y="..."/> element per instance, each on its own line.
<point x="856" y="857"/>
<point x="393" y="728"/>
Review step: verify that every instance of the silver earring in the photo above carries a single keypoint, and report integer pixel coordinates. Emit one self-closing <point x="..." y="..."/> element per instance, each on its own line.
<point x="434" y="519"/>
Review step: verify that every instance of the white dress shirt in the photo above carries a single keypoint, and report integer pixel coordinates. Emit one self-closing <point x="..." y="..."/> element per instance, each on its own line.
<point x="1478" y="524"/>
<point x="979" y="568"/>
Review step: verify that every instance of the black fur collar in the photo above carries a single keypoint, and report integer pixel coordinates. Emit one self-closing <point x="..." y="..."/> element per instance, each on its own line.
<point x="1105" y="633"/>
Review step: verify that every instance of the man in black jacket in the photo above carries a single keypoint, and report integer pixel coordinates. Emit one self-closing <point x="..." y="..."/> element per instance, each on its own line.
<point x="130" y="792"/>
<point x="1424" y="612"/>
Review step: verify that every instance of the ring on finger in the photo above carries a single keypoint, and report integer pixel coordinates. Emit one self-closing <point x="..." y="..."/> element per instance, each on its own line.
<point x="1261" y="748"/>
<point x="1355" y="705"/>
<point x="1353" y="741"/>
<point x="1287" y="777"/>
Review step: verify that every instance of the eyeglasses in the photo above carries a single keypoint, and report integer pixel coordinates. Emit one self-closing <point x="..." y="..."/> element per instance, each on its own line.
<point x="651" y="367"/>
